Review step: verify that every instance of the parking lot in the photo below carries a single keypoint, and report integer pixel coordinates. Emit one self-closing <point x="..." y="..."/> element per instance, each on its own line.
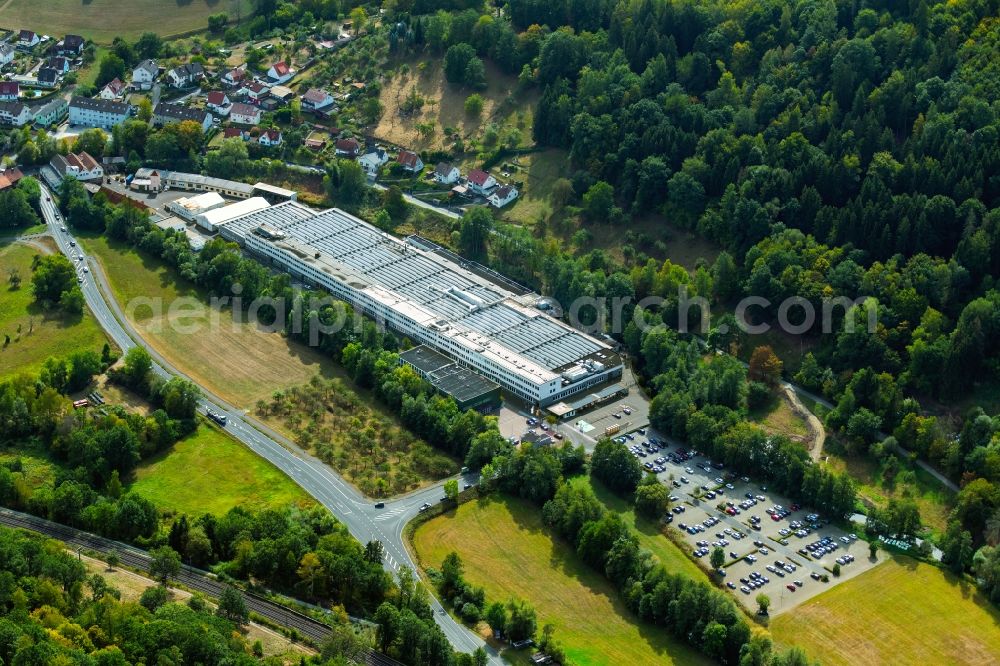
<point x="772" y="545"/>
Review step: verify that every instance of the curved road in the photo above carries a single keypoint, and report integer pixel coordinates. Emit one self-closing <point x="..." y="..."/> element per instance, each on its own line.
<point x="359" y="514"/>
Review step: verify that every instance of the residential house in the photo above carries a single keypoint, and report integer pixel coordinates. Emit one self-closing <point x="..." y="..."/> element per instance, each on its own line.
<point x="52" y="112"/>
<point x="144" y="74"/>
<point x="59" y="64"/>
<point x="244" y="114"/>
<point x="446" y="173"/>
<point x="236" y="133"/>
<point x="166" y="113"/>
<point x="348" y="148"/>
<point x="14" y="113"/>
<point x="316" y="99"/>
<point x="218" y="102"/>
<point x="257" y="91"/>
<point x="373" y="160"/>
<point x="7" y="52"/>
<point x="315" y="144"/>
<point x="480" y="182"/>
<point x="47" y="77"/>
<point x="82" y="167"/>
<point x="9" y="91"/>
<point x="502" y="196"/>
<point x="234" y="77"/>
<point x="27" y="39"/>
<point x="270" y="137"/>
<point x="410" y="161"/>
<point x="97" y="112"/>
<point x="183" y="76"/>
<point x="10" y="177"/>
<point x="113" y="90"/>
<point x="71" y="46"/>
<point x="280" y="72"/>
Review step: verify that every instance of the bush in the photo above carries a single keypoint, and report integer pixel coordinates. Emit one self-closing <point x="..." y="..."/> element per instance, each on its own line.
<point x="758" y="395"/>
<point x="474" y="105"/>
<point x="153" y="598"/>
<point x="471" y="612"/>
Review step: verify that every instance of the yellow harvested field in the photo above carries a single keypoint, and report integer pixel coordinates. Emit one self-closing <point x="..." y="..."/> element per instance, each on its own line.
<point x="901" y="612"/>
<point x="505" y="548"/>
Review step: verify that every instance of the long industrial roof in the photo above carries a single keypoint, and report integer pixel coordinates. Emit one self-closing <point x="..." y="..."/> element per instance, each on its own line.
<point x="481" y="315"/>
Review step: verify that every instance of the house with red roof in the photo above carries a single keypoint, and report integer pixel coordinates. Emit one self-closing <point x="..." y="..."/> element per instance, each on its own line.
<point x="480" y="182"/>
<point x="348" y="147"/>
<point x="218" y="102"/>
<point x="270" y="137"/>
<point x="245" y="114"/>
<point x="113" y="90"/>
<point x="280" y="72"/>
<point x="410" y="161"/>
<point x="9" y="91"/>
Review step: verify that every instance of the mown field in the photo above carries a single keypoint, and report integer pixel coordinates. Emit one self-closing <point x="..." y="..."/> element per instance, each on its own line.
<point x="901" y="612"/>
<point x="648" y="531"/>
<point x="210" y="472"/>
<point x="506" y="549"/>
<point x="51" y="332"/>
<point x="103" y="20"/>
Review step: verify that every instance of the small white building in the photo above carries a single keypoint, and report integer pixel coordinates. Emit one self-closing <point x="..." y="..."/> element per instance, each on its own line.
<point x="144" y="74"/>
<point x="7" y="53"/>
<point x="27" y="39"/>
<point x="244" y="114"/>
<point x="410" y="161"/>
<point x="372" y="161"/>
<point x="189" y="208"/>
<point x="186" y="75"/>
<point x="113" y="90"/>
<point x="280" y="72"/>
<point x="480" y="182"/>
<point x="316" y="99"/>
<point x="502" y="196"/>
<point x="270" y="138"/>
<point x="446" y="173"/>
<point x="218" y="102"/>
<point x="15" y="114"/>
<point x="234" y="77"/>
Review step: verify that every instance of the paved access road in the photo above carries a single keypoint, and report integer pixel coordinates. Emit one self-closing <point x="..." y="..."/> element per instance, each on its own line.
<point x="358" y="513"/>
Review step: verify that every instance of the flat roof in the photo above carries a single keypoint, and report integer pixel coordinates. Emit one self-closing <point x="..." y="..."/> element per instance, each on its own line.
<point x="219" y="216"/>
<point x="195" y="179"/>
<point x="425" y="359"/>
<point x="274" y="189"/>
<point x="200" y="202"/>
<point x="460" y="383"/>
<point x="479" y="312"/>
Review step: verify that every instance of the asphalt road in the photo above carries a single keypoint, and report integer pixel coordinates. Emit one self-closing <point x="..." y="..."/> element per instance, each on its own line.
<point x="359" y="514"/>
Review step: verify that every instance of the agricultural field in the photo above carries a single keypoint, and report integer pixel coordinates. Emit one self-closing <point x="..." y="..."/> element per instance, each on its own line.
<point x="443" y="106"/>
<point x="902" y="612"/>
<point x="92" y="18"/>
<point x="648" y="531"/>
<point x="34" y="333"/>
<point x="210" y="472"/>
<point x="505" y="548"/>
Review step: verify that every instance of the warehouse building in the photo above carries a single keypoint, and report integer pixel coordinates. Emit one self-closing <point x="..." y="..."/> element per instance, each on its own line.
<point x="189" y="208"/>
<point x="211" y="220"/>
<point x="469" y="390"/>
<point x="431" y="298"/>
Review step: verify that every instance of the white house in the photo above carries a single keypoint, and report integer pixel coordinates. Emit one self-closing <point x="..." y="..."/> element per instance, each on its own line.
<point x="347" y="147"/>
<point x="446" y="173"/>
<point x="410" y="161"/>
<point x="256" y="91"/>
<point x="234" y="77"/>
<point x="186" y="75"/>
<point x="481" y="182"/>
<point x="218" y="102"/>
<point x="58" y="63"/>
<point x="280" y="72"/>
<point x="27" y="39"/>
<point x="372" y="161"/>
<point x="316" y="99"/>
<point x="6" y="53"/>
<point x="244" y="114"/>
<point x="97" y="112"/>
<point x="114" y="90"/>
<point x="502" y="196"/>
<point x="270" y="137"/>
<point x="81" y="167"/>
<point x="46" y="77"/>
<point x="71" y="46"/>
<point x="15" y="113"/>
<point x="9" y="91"/>
<point x="144" y="74"/>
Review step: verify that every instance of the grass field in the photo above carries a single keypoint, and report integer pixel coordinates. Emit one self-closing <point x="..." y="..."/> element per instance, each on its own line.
<point x="51" y="332"/>
<point x="901" y="612"/>
<point x="778" y="417"/>
<point x="102" y="20"/>
<point x="235" y="361"/>
<point x="506" y="549"/>
<point x="647" y="530"/>
<point x="209" y="472"/>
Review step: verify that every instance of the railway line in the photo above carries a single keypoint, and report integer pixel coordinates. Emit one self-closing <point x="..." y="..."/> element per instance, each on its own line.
<point x="191" y="577"/>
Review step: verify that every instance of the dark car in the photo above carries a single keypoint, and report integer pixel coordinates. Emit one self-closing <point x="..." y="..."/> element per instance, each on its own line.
<point x="379" y="505"/>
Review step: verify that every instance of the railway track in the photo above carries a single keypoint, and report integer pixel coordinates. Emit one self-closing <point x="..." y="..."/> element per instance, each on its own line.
<point x="192" y="578"/>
